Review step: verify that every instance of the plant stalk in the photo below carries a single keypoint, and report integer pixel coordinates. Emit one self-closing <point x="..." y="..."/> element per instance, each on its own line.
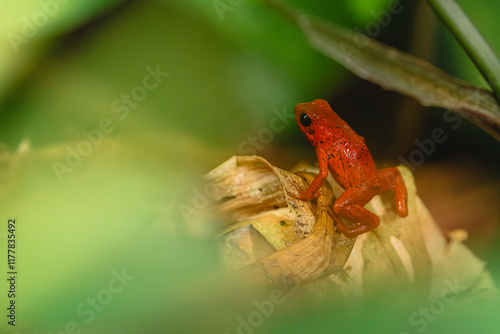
<point x="471" y="40"/>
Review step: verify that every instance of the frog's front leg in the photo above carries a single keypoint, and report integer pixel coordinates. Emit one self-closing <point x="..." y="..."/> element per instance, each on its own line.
<point x="315" y="185"/>
<point x="350" y="205"/>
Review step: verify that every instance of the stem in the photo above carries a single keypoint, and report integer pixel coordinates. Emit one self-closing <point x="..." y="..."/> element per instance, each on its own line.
<point x="471" y="40"/>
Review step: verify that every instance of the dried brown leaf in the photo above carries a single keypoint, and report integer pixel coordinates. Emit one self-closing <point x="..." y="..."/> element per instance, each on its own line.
<point x="270" y="236"/>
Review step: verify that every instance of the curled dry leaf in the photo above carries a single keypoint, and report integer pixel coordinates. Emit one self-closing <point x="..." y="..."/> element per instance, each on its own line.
<point x="270" y="236"/>
<point x="249" y="198"/>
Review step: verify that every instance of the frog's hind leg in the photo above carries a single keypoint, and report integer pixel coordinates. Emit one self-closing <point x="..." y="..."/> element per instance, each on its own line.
<point x="350" y="205"/>
<point x="392" y="180"/>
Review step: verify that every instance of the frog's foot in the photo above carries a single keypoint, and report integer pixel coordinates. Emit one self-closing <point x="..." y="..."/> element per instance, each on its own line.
<point x="300" y="194"/>
<point x="352" y="232"/>
<point x="340" y="226"/>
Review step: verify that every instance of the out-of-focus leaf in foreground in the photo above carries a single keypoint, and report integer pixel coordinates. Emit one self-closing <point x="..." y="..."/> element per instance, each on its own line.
<point x="398" y="71"/>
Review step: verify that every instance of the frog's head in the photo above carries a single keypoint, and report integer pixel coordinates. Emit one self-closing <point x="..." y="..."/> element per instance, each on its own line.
<point x="315" y="120"/>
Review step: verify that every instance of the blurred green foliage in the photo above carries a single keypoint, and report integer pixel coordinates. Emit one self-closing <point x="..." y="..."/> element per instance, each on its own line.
<point x="118" y="206"/>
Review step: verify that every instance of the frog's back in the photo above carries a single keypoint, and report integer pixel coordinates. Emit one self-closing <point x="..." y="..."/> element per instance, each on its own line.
<point x="350" y="160"/>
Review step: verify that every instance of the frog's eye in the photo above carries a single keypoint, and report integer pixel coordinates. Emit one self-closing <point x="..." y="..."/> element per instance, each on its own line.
<point x="305" y="120"/>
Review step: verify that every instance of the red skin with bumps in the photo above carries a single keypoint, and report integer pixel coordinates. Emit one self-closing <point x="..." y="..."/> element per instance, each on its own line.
<point x="342" y="152"/>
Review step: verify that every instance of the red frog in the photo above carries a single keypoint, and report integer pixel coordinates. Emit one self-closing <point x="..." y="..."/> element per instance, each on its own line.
<point x="344" y="153"/>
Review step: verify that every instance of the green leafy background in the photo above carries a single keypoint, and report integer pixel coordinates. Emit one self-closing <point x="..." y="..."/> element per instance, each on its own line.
<point x="119" y="208"/>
